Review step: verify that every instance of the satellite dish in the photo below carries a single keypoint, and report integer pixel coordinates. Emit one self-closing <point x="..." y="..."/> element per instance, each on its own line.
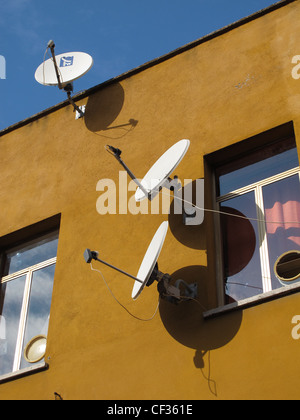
<point x="158" y="177"/>
<point x="62" y="70"/>
<point x="162" y="169"/>
<point x="71" y="66"/>
<point x="35" y="349"/>
<point x="159" y="173"/>
<point x="149" y="272"/>
<point x="150" y="259"/>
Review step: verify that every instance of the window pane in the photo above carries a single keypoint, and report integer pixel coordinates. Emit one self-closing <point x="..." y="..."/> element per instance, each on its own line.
<point x="241" y="248"/>
<point x="11" y="297"/>
<point x="39" y="306"/>
<point x="282" y="204"/>
<point x="255" y="167"/>
<point x="31" y="253"/>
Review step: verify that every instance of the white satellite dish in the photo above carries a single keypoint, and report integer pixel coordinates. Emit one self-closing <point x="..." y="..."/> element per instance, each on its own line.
<point x="62" y="70"/>
<point x="159" y="173"/>
<point x="148" y="271"/>
<point x="150" y="259"/>
<point x="162" y="169"/>
<point x="71" y="66"/>
<point x="158" y="177"/>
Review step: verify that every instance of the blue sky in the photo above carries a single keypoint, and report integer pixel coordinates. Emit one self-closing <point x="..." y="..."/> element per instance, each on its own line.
<point x="119" y="34"/>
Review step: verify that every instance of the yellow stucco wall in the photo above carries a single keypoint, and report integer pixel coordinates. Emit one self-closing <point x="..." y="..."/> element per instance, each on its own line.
<point x="220" y="92"/>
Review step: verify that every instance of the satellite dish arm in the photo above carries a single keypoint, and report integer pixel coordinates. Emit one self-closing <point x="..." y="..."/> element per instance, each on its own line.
<point x="69" y="87"/>
<point x="117" y="154"/>
<point x="76" y="107"/>
<point x="93" y="255"/>
<point x="51" y="45"/>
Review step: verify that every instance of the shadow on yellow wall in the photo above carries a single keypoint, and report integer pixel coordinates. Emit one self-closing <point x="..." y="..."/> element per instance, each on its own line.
<point x="185" y="322"/>
<point x="103" y="107"/>
<point x="191" y="236"/>
<point x="102" y="110"/>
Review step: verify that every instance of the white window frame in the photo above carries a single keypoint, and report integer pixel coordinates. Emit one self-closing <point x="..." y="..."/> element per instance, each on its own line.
<point x="263" y="241"/>
<point x="28" y="272"/>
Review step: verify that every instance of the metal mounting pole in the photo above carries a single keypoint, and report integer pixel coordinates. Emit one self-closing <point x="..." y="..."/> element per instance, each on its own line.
<point x="69" y="87"/>
<point x="51" y="45"/>
<point x="117" y="154"/>
<point x="93" y="255"/>
<point x="76" y="107"/>
<point x="118" y="269"/>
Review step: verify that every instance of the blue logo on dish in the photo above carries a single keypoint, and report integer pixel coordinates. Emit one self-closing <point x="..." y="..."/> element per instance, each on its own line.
<point x="66" y="61"/>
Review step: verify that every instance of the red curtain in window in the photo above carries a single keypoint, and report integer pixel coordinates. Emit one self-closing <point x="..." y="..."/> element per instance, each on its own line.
<point x="282" y="213"/>
<point x="288" y="217"/>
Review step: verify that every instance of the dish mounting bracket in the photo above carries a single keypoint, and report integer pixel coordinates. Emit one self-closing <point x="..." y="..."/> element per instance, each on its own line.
<point x="80" y="111"/>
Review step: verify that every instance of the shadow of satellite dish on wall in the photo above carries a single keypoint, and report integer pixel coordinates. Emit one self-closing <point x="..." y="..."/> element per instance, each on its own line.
<point x="103" y="107"/>
<point x="191" y="236"/>
<point x="240" y="240"/>
<point x="185" y="322"/>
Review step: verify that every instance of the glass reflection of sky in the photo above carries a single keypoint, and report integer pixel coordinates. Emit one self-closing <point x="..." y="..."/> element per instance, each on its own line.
<point x="39" y="306"/>
<point x="262" y="169"/>
<point x="13" y="297"/>
<point x="32" y="253"/>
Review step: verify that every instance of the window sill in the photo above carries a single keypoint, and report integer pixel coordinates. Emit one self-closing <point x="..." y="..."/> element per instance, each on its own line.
<point x="23" y="372"/>
<point x="253" y="301"/>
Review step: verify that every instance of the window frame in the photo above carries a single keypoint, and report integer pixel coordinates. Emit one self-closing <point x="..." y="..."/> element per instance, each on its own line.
<point x="260" y="214"/>
<point x="28" y="272"/>
<point x="212" y="161"/>
<point x="9" y="243"/>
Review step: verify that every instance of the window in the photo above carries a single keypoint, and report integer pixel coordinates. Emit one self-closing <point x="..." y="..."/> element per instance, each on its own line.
<point x="258" y="195"/>
<point x="25" y="297"/>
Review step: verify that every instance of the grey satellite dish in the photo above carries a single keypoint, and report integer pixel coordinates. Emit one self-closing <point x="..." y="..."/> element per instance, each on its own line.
<point x="148" y="271"/>
<point x="62" y="70"/>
